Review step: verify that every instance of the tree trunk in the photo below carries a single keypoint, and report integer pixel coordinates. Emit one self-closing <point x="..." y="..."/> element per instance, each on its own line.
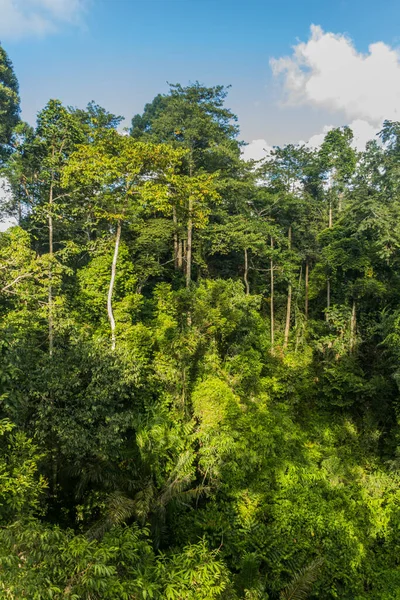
<point x="289" y="299"/>
<point x="328" y="297"/>
<point x="297" y="309"/>
<point x="328" y="282"/>
<point x="176" y="240"/>
<point x="246" y="272"/>
<point x="51" y="253"/>
<point x="272" y="298"/>
<point x="353" y="327"/>
<point x="180" y="254"/>
<point x="306" y="297"/>
<point x="189" y="245"/>
<point x="112" y="282"/>
<point x="189" y="230"/>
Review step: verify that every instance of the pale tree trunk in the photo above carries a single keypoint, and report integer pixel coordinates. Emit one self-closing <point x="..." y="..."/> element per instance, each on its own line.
<point x="328" y="297"/>
<point x="353" y="327"/>
<point x="189" y="245"/>
<point x="189" y="230"/>
<point x="306" y="296"/>
<point x="176" y="240"/>
<point x="297" y="309"/>
<point x="180" y="254"/>
<point x="112" y="283"/>
<point x="246" y="271"/>
<point x="51" y="254"/>
<point x="272" y="298"/>
<point x="328" y="282"/>
<point x="289" y="299"/>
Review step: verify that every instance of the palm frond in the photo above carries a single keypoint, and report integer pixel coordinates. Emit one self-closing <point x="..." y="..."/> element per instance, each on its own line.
<point x="302" y="582"/>
<point x="120" y="508"/>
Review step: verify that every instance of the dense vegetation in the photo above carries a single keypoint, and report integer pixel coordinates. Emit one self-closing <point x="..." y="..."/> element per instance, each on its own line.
<point x="199" y="375"/>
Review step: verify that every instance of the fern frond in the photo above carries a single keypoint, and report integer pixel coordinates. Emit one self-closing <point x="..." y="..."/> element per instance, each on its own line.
<point x="302" y="582"/>
<point x="120" y="508"/>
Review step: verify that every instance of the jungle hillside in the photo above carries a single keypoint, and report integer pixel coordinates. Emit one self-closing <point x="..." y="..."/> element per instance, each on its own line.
<point x="199" y="374"/>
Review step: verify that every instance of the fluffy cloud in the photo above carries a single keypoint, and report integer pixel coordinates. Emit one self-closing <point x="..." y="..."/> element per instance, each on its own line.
<point x="328" y="72"/>
<point x="5" y="222"/>
<point x="37" y="17"/>
<point x="256" y="150"/>
<point x="362" y="130"/>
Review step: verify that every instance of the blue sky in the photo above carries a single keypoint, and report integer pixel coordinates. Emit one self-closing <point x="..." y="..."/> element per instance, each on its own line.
<point x="121" y="53"/>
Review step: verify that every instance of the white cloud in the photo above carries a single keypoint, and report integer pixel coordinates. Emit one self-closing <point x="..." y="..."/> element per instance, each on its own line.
<point x="37" y="17"/>
<point x="328" y="72"/>
<point x="256" y="150"/>
<point x="316" y="140"/>
<point x="363" y="132"/>
<point x="4" y="225"/>
<point x="5" y="193"/>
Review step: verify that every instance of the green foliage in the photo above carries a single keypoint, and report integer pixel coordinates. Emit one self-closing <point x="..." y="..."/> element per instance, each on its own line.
<point x="239" y="438"/>
<point x="21" y="487"/>
<point x="9" y="103"/>
<point x="302" y="582"/>
<point x="40" y="563"/>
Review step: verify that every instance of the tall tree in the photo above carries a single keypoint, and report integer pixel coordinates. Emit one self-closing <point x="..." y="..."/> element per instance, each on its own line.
<point x="338" y="163"/>
<point x="121" y="179"/>
<point x="9" y="103"/>
<point x="35" y="175"/>
<point x="193" y="118"/>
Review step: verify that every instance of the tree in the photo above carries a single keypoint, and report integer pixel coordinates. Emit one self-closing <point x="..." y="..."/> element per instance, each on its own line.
<point x="193" y="118"/>
<point x="121" y="179"/>
<point x="35" y="176"/>
<point x="338" y="162"/>
<point x="9" y="103"/>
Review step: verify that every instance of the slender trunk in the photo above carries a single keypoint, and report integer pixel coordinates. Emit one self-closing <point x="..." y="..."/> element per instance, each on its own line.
<point x="353" y="327"/>
<point x="297" y="309"/>
<point x="189" y="245"/>
<point x="328" y="282"/>
<point x="246" y="272"/>
<point x="180" y="254"/>
<point x="328" y="296"/>
<point x="288" y="312"/>
<point x="189" y="230"/>
<point x="51" y="253"/>
<point x="176" y="240"/>
<point x="184" y="403"/>
<point x="306" y="296"/>
<point x="289" y="299"/>
<point x="272" y="297"/>
<point x="112" y="282"/>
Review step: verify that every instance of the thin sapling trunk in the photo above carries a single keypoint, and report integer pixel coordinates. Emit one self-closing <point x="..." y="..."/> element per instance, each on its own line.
<point x="112" y="283"/>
